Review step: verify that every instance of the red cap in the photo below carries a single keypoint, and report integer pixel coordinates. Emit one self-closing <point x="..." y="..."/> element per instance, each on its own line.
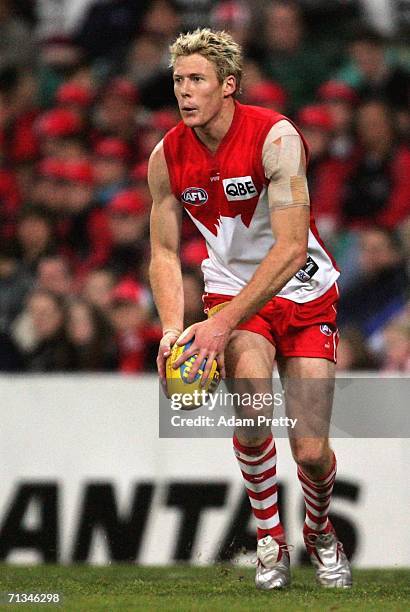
<point x="194" y="252"/>
<point x="78" y="171"/>
<point x="128" y="291"/>
<point x="315" y="116"/>
<point x="231" y="12"/>
<point x="74" y="93"/>
<point x="267" y="92"/>
<point x="140" y="171"/>
<point x="127" y="202"/>
<point x="51" y="167"/>
<point x="123" y="88"/>
<point x="59" y="122"/>
<point x="112" y="147"/>
<point x="337" y="90"/>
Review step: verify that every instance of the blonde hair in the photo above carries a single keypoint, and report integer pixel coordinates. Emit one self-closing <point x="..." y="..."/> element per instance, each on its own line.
<point x="217" y="47"/>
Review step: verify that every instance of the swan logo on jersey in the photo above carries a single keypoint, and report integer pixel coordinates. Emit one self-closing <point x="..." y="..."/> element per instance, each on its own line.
<point x="196" y="196"/>
<point x="239" y="188"/>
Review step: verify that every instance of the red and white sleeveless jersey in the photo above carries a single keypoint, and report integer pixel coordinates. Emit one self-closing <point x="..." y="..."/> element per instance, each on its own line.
<point x="225" y="194"/>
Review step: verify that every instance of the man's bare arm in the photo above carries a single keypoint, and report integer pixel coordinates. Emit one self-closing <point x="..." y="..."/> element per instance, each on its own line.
<point x="165" y="267"/>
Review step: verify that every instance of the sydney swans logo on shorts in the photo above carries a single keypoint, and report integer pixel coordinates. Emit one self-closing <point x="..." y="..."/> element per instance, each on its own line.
<point x="325" y="329"/>
<point x="196" y="196"/>
<point x="239" y="188"/>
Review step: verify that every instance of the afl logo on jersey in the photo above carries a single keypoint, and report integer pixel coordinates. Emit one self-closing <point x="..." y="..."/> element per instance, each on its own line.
<point x="196" y="196"/>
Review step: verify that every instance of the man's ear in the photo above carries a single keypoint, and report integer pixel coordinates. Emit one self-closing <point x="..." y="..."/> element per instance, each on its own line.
<point x="229" y="86"/>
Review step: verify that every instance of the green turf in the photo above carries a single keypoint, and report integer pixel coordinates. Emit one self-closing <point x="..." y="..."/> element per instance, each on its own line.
<point x="213" y="589"/>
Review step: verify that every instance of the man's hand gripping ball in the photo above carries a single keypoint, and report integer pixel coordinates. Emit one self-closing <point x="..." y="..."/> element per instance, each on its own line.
<point x="182" y="380"/>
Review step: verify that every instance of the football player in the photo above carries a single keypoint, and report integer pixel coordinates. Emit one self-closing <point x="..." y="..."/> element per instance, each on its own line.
<point x="270" y="284"/>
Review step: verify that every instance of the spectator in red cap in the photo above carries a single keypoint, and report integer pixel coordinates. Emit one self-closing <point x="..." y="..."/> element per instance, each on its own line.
<point x="136" y="336"/>
<point x="154" y="129"/>
<point x="326" y="174"/>
<point x="57" y="130"/>
<point x="193" y="253"/>
<point x="77" y="98"/>
<point x="128" y="222"/>
<point x="138" y="177"/>
<point x="338" y="90"/>
<point x="57" y="123"/>
<point x="378" y="189"/>
<point x="10" y="201"/>
<point x="340" y="100"/>
<point x="268" y="94"/>
<point x="122" y="88"/>
<point x="18" y="113"/>
<point x="117" y="109"/>
<point x="316" y="124"/>
<point x="233" y="16"/>
<point x="83" y="228"/>
<point x="48" y="189"/>
<point x="74" y="96"/>
<point x="111" y="159"/>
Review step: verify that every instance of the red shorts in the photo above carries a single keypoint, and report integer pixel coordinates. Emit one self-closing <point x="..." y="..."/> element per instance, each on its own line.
<point x="296" y="330"/>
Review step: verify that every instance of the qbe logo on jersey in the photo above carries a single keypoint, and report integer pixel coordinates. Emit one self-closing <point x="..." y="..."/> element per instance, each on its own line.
<point x="239" y="188"/>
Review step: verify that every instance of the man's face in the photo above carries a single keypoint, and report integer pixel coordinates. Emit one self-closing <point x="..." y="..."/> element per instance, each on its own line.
<point x="197" y="89"/>
<point x="369" y="58"/>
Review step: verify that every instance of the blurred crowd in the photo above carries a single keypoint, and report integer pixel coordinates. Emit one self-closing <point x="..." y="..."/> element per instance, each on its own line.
<point x="84" y="98"/>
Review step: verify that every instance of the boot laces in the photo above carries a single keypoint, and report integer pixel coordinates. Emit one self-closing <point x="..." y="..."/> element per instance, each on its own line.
<point x="285" y="548"/>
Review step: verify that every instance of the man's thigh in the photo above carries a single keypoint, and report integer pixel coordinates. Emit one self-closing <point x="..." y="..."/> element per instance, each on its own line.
<point x="249" y="359"/>
<point x="249" y="356"/>
<point x="308" y="384"/>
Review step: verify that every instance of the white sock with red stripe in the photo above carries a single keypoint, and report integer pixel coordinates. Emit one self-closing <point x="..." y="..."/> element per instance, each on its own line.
<point x="317" y="494"/>
<point x="258" y="467"/>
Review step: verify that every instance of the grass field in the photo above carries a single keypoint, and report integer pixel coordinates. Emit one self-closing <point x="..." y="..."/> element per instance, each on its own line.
<point x="213" y="589"/>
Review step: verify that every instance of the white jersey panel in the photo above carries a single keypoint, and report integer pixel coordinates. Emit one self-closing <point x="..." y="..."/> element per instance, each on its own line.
<point x="236" y="251"/>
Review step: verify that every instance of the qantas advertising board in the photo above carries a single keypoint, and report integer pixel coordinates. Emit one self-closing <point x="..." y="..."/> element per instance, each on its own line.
<point x="85" y="477"/>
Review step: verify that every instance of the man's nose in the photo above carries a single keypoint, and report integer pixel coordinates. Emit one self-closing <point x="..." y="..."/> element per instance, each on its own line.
<point x="185" y="89"/>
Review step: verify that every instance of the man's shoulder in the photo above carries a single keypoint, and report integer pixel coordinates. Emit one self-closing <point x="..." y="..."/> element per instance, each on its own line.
<point x="263" y="115"/>
<point x="176" y="132"/>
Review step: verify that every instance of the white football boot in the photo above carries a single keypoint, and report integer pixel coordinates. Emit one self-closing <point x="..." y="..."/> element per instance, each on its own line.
<point x="273" y="567"/>
<point x="327" y="555"/>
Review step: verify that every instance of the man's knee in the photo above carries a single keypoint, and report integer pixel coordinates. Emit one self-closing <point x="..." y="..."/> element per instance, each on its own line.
<point x="310" y="453"/>
<point x="252" y="437"/>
